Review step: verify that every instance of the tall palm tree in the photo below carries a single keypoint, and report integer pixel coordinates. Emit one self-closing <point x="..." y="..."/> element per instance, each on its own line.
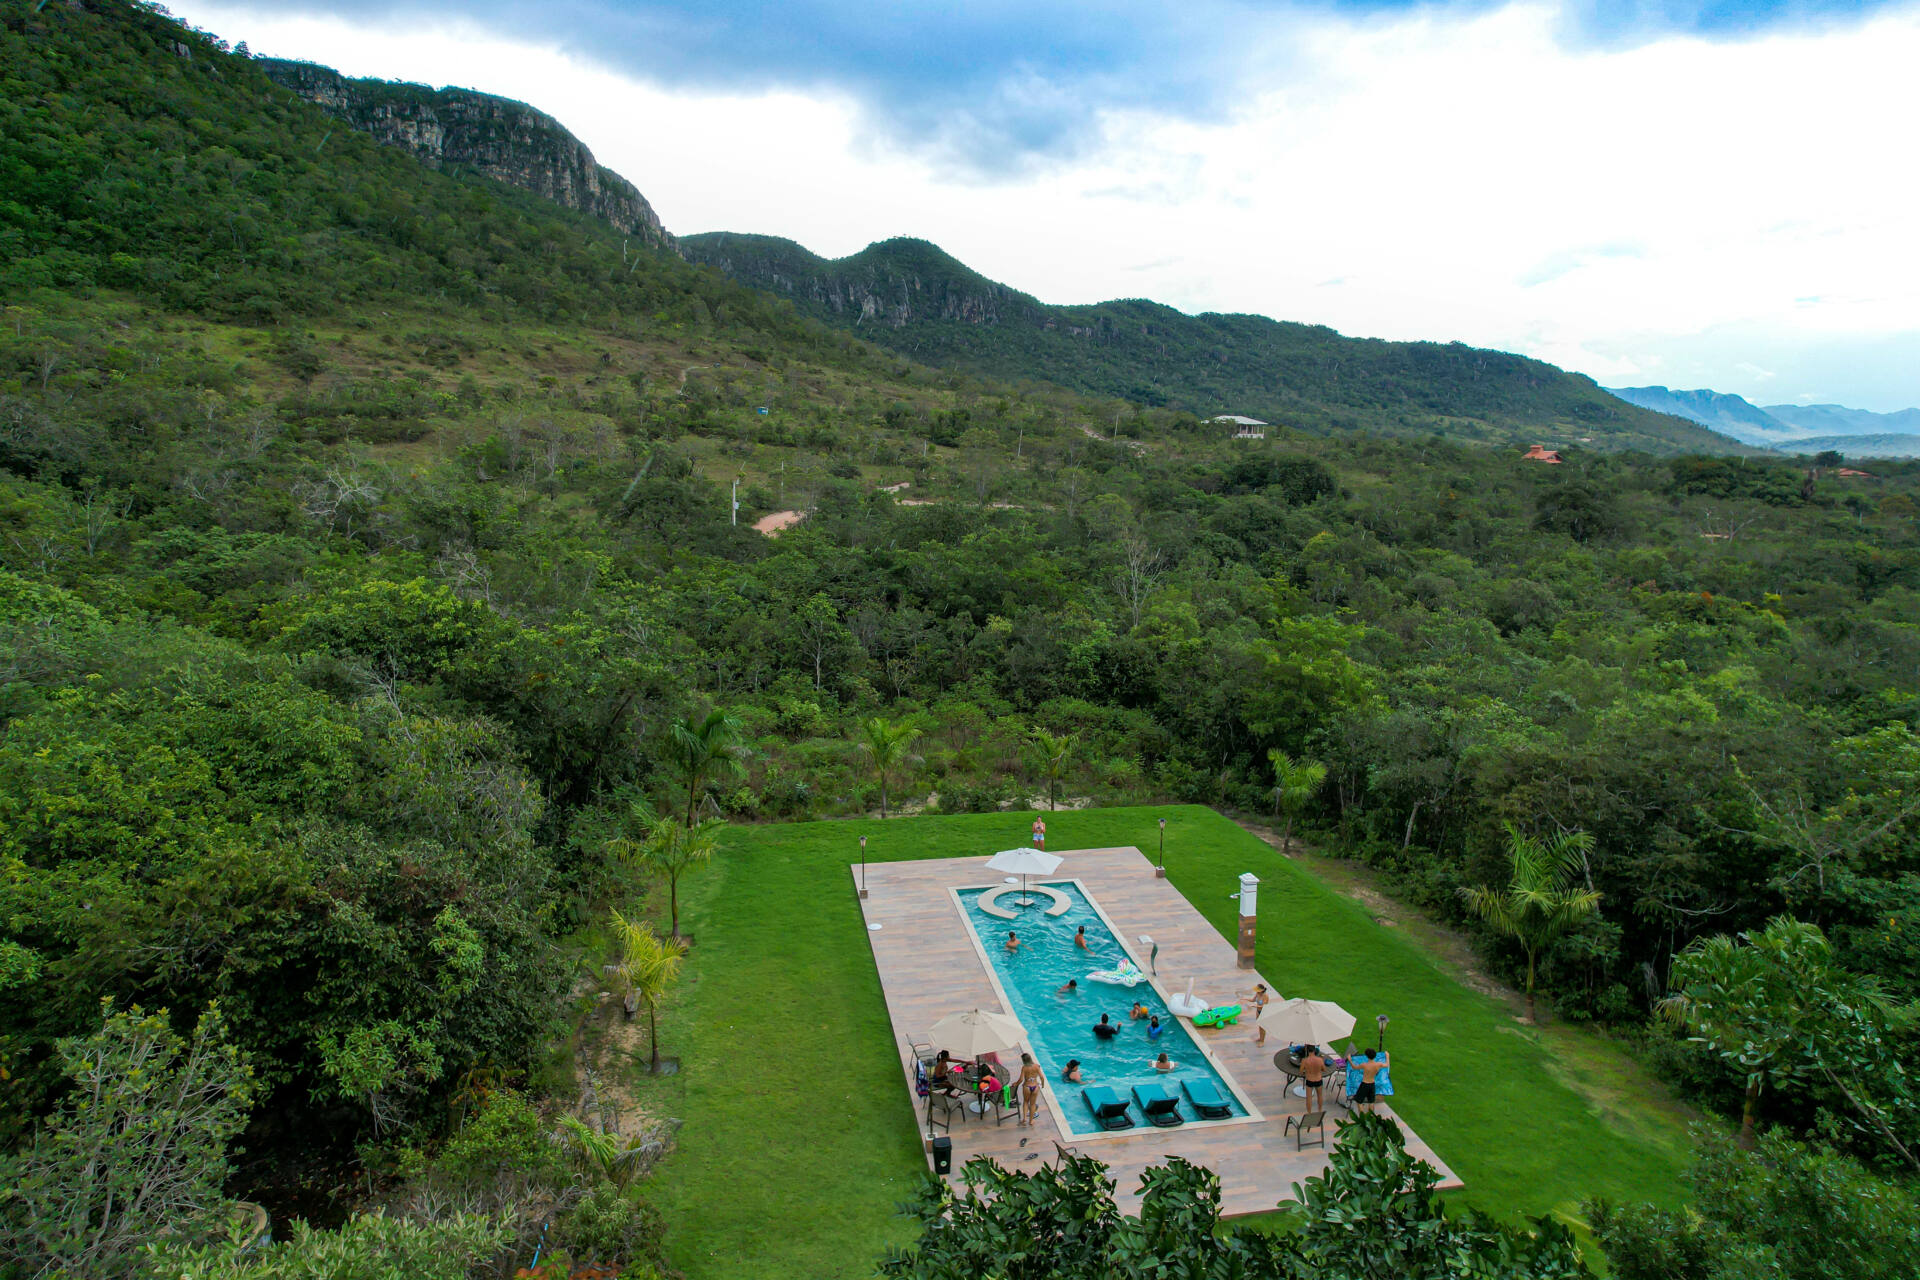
<point x="886" y="743"/>
<point x="1294" y="783"/>
<point x="669" y="850"/>
<point x="1049" y="753"/>
<point x="1539" y="903"/>
<point x="702" y="748"/>
<point x="649" y="964"/>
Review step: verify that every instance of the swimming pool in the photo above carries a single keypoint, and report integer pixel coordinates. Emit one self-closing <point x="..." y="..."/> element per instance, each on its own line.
<point x="1060" y="1026"/>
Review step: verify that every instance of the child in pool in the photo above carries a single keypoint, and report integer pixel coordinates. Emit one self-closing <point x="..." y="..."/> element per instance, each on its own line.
<point x="1163" y="1063"/>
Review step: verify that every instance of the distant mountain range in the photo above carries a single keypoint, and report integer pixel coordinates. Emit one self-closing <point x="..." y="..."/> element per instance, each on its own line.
<point x="1791" y="428"/>
<point x="912" y="297"/>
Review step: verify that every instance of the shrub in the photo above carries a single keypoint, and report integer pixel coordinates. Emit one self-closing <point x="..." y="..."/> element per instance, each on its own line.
<point x="609" y="1226"/>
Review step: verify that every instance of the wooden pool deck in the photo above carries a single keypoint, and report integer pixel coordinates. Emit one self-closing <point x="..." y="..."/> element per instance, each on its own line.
<point x="930" y="966"/>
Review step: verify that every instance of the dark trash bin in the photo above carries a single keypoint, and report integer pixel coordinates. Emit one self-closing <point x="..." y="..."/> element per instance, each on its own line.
<point x="943" y="1155"/>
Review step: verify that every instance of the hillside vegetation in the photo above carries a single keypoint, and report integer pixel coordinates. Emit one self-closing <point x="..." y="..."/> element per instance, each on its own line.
<point x="909" y="296"/>
<point x="367" y="565"/>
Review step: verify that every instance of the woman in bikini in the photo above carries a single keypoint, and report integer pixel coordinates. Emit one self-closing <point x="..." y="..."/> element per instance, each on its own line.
<point x="1030" y="1080"/>
<point x="1259" y="999"/>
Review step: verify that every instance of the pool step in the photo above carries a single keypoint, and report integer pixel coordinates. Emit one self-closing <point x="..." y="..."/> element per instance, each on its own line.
<point x="988" y="901"/>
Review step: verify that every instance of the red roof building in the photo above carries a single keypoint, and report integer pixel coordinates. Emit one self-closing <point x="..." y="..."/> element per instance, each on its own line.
<point x="1539" y="453"/>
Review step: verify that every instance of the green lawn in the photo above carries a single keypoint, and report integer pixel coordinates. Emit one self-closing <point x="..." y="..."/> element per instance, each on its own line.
<point x="798" y="1140"/>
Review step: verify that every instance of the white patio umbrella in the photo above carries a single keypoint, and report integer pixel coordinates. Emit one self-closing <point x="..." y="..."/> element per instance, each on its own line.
<point x="1024" y="863"/>
<point x="1302" y="1021"/>
<point x="977" y="1031"/>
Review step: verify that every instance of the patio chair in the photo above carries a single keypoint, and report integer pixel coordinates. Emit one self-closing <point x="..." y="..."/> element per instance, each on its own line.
<point x="1108" y="1107"/>
<point x="1006" y="1102"/>
<point x="946" y="1105"/>
<point x="1206" y="1099"/>
<point x="1159" y="1104"/>
<point x="1298" y="1126"/>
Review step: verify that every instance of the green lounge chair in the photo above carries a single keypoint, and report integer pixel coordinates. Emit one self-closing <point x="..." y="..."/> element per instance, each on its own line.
<point x="1108" y="1107"/>
<point x="1206" y="1099"/>
<point x="1159" y="1104"/>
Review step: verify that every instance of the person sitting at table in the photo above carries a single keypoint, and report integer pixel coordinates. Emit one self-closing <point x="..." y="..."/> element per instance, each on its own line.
<point x="1070" y="1074"/>
<point x="1163" y="1063"/>
<point x="1154" y="1029"/>
<point x="945" y="1068"/>
<point x="1104" y="1029"/>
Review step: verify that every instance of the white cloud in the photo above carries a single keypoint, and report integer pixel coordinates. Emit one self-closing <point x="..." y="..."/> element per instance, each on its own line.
<point x="1439" y="176"/>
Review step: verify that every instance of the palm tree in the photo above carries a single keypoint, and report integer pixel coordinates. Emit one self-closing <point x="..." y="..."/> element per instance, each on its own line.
<point x="701" y="748"/>
<point x="886" y="743"/>
<point x="1538" y="904"/>
<point x="668" y="849"/>
<point x="649" y="964"/>
<point x="1294" y="783"/>
<point x="1049" y="753"/>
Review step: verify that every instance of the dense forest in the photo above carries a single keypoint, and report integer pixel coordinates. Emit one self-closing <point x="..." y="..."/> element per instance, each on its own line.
<point x="369" y="560"/>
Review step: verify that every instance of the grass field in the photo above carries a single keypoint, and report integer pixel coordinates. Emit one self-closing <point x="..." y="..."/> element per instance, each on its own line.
<point x="799" y="1141"/>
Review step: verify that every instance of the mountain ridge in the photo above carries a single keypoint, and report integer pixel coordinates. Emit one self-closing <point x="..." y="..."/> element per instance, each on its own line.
<point x="912" y="297"/>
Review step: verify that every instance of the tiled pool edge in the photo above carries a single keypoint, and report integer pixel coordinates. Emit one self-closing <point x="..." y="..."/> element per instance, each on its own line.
<point x="1254" y="1114"/>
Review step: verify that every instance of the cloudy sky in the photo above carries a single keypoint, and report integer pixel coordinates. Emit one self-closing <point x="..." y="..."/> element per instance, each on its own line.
<point x="1700" y="193"/>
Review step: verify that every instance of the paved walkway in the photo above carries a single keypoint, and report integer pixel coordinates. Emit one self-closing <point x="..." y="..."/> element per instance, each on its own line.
<point x="930" y="966"/>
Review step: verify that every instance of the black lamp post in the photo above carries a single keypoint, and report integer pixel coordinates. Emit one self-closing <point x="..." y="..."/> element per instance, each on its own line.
<point x="863" y="878"/>
<point x="1160" y="872"/>
<point x="1381" y="1046"/>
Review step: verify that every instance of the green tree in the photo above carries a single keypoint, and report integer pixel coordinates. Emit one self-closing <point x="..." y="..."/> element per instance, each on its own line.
<point x="1372" y="1215"/>
<point x="1779" y="1211"/>
<point x="1295" y="782"/>
<point x="669" y="850"/>
<point x="886" y="744"/>
<point x="1775" y="1005"/>
<point x="137" y="1148"/>
<point x="1538" y="903"/>
<point x="704" y="747"/>
<point x="1049" y="754"/>
<point x="649" y="964"/>
<point x="369" y="1246"/>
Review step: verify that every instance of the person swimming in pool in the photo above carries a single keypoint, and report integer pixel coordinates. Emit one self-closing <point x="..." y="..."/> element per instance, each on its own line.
<point x="1071" y="989"/>
<point x="1013" y="940"/>
<point x="1154" y="1029"/>
<point x="1163" y="1063"/>
<point x="1104" y="1029"/>
<point x="1080" y="937"/>
<point x="1070" y="1074"/>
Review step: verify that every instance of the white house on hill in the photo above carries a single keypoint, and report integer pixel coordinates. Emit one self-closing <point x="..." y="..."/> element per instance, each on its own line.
<point x="1244" y="428"/>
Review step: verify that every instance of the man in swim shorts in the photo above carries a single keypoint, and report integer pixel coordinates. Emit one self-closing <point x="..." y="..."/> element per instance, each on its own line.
<point x="1080" y="937"/>
<point x="1375" y="1063"/>
<point x="1313" y="1074"/>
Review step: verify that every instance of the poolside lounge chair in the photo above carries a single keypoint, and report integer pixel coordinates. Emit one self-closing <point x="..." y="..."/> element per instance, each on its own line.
<point x="1159" y="1104"/>
<point x="1108" y="1107"/>
<point x="1206" y="1099"/>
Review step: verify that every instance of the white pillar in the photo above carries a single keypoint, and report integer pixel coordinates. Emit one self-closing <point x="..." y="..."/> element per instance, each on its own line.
<point x="1249" y="889"/>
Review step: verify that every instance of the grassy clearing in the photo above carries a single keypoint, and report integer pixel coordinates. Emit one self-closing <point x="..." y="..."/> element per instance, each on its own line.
<point x="798" y="1142"/>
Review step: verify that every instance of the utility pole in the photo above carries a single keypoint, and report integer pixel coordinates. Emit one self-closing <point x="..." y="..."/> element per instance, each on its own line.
<point x="736" y="504"/>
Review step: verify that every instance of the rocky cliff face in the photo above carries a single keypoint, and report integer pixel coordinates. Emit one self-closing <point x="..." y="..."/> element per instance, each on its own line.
<point x="506" y="140"/>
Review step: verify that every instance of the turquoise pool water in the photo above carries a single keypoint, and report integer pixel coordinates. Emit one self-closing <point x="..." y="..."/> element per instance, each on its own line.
<point x="1060" y="1027"/>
